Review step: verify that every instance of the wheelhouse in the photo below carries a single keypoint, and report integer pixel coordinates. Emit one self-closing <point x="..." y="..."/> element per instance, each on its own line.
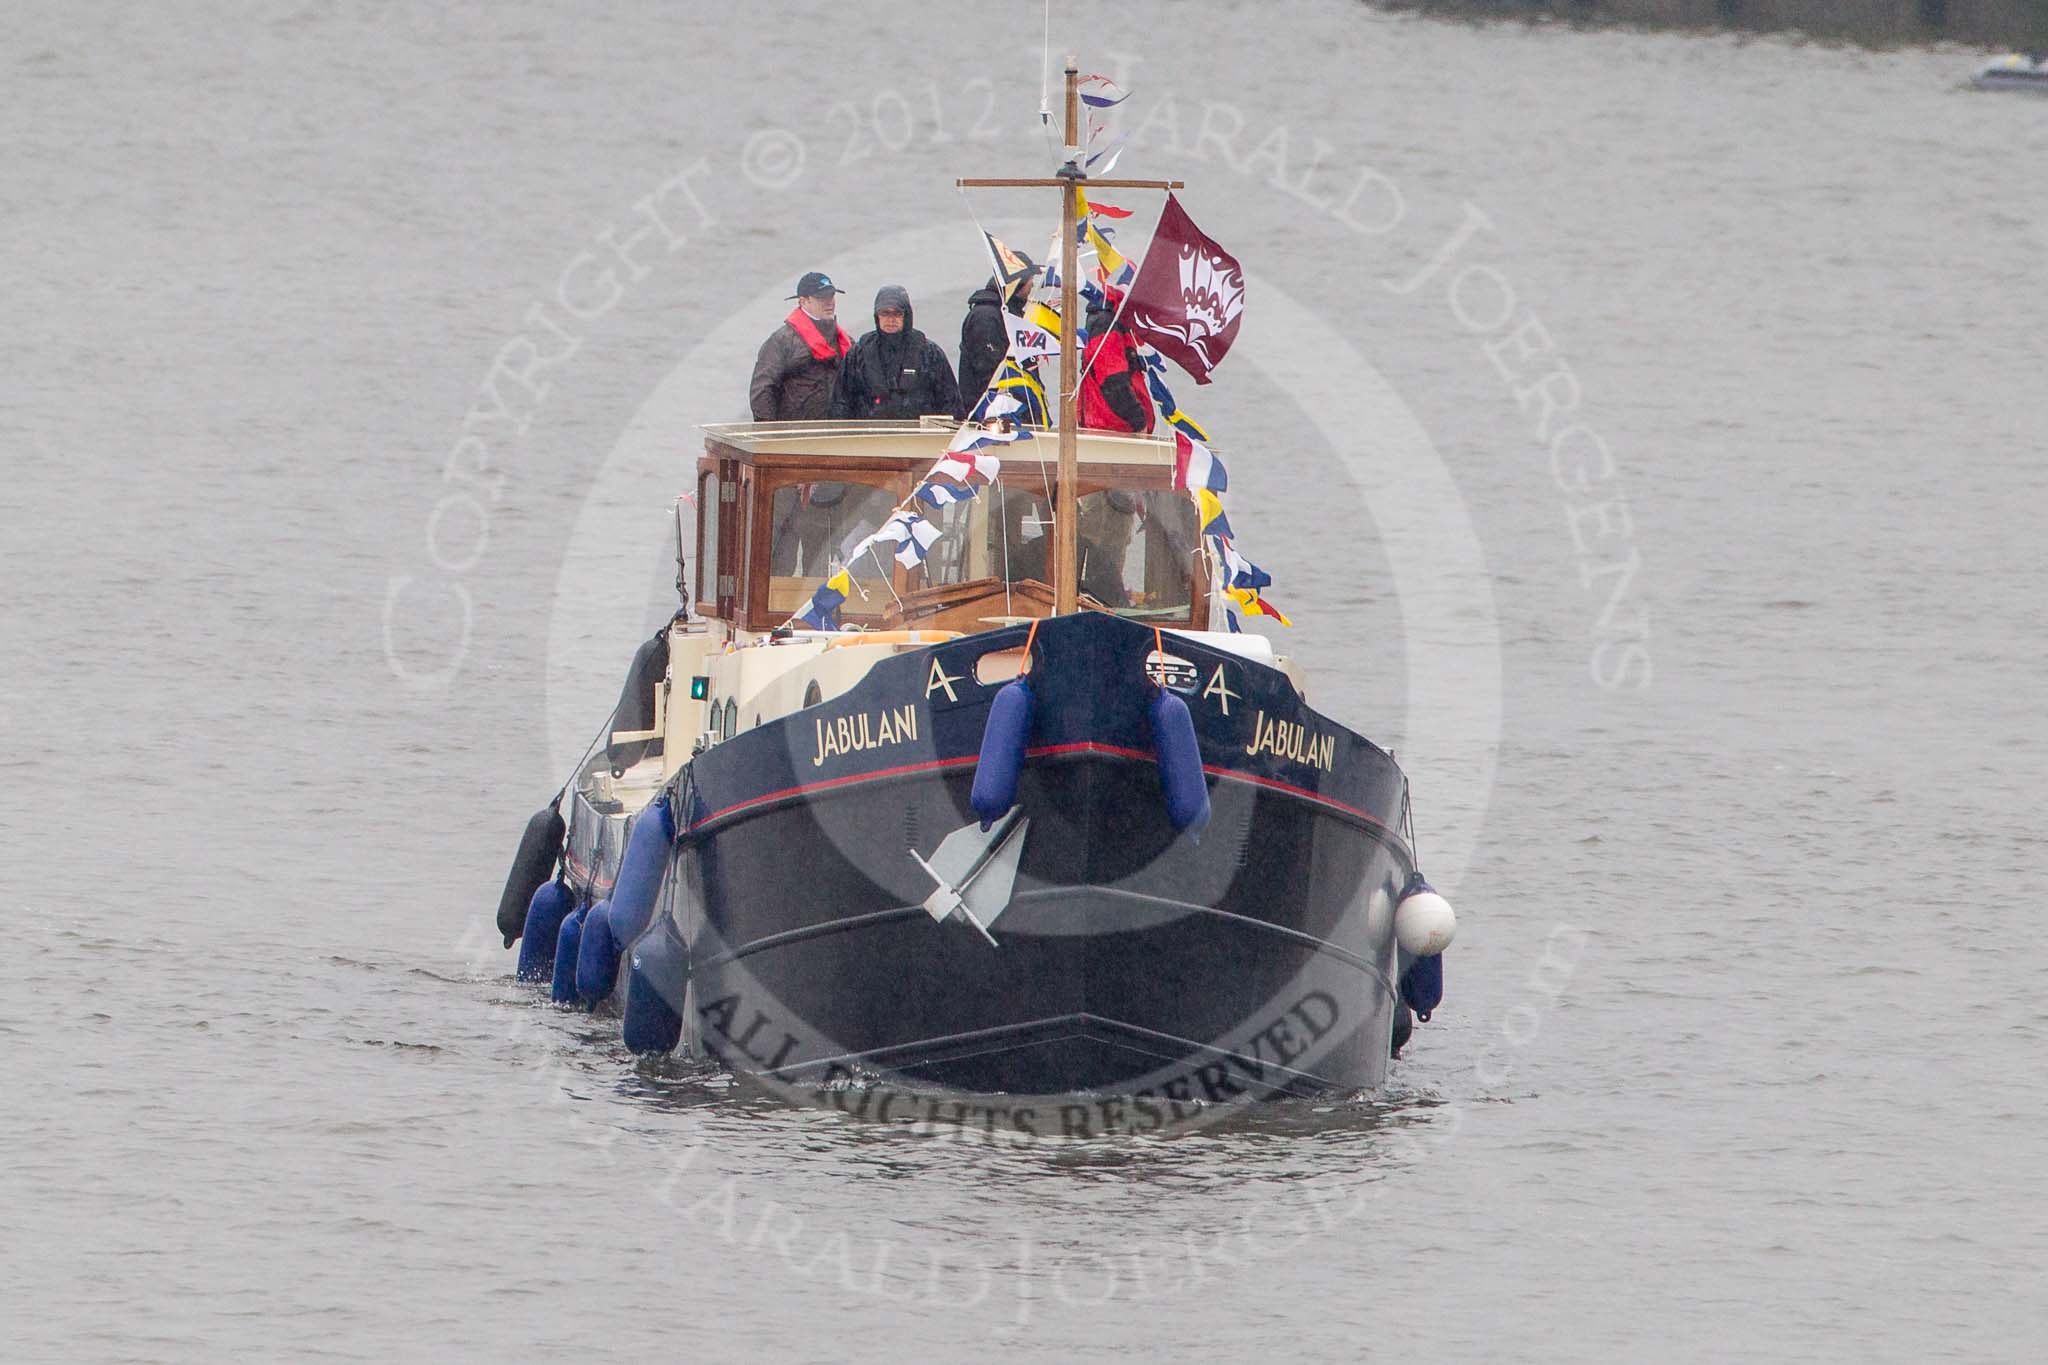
<point x="781" y="506"/>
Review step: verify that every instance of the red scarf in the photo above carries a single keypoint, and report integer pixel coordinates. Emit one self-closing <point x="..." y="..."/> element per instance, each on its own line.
<point x="807" y="328"/>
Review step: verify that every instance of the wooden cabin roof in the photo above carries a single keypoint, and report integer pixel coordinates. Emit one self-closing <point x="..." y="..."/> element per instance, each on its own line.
<point x="923" y="441"/>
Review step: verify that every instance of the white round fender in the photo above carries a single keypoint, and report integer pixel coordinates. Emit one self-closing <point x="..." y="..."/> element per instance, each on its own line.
<point x="1424" y="921"/>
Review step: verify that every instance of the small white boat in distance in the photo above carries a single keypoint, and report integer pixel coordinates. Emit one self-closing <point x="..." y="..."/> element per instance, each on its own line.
<point x="2014" y="71"/>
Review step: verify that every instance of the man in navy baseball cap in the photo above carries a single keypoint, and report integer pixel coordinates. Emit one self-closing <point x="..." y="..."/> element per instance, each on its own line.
<point x="798" y="364"/>
<point x="816" y="284"/>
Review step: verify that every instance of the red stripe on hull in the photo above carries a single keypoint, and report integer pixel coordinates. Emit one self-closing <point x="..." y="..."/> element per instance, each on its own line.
<point x="1046" y="751"/>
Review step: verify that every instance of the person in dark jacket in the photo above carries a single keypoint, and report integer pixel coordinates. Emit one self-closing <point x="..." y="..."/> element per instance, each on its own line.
<point x="895" y="371"/>
<point x="985" y="339"/>
<point x="1114" y="396"/>
<point x="798" y="365"/>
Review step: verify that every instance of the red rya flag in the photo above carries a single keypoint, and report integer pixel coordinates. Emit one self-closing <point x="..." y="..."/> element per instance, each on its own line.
<point x="1188" y="295"/>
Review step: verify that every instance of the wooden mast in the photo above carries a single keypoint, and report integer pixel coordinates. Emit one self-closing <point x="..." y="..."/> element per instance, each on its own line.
<point x="1065" y="558"/>
<point x="1066" y="586"/>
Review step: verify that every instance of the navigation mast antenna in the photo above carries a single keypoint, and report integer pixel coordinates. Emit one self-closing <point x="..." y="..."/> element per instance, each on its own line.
<point x="1069" y="180"/>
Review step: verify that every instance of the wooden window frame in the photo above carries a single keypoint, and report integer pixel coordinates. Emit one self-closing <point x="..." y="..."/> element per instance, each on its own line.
<point x="745" y="513"/>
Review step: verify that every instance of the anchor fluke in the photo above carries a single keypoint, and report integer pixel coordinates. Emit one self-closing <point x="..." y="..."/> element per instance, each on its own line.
<point x="976" y="871"/>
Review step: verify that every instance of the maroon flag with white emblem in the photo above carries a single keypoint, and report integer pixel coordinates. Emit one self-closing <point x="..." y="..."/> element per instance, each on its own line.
<point x="1188" y="295"/>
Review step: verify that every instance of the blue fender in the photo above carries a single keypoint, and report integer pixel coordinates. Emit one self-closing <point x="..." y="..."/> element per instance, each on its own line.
<point x="567" y="944"/>
<point x="597" y="957"/>
<point x="544" y="916"/>
<point x="656" y="979"/>
<point x="1002" y="752"/>
<point x="640" y="871"/>
<point x="1422" y="985"/>
<point x="1180" y="764"/>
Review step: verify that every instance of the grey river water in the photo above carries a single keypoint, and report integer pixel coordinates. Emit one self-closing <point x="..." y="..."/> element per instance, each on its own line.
<point x="1733" y="744"/>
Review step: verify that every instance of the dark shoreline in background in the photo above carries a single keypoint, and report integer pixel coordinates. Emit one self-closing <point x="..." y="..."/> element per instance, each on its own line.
<point x="1881" y="23"/>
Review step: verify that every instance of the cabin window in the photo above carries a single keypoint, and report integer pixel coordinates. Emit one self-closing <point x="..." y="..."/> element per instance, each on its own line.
<point x="812" y="696"/>
<point x="732" y="718"/>
<point x="740" y="583"/>
<point x="813" y="528"/>
<point x="1138" y="551"/>
<point x="707" y="542"/>
<point x="1137" y="548"/>
<point x="972" y="544"/>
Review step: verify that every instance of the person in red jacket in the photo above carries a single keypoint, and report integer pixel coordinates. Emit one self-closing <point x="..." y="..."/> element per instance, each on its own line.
<point x="1113" y="395"/>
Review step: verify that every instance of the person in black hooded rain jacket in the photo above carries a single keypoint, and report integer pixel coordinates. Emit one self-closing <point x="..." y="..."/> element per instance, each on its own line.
<point x="895" y="371"/>
<point x="984" y="340"/>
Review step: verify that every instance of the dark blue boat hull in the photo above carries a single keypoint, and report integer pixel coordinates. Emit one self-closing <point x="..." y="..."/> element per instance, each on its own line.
<point x="1130" y="958"/>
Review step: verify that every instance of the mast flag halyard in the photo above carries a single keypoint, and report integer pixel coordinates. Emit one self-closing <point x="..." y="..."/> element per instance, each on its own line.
<point x="1068" y="182"/>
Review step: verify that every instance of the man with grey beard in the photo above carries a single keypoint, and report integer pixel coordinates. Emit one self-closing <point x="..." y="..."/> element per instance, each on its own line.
<point x="799" y="363"/>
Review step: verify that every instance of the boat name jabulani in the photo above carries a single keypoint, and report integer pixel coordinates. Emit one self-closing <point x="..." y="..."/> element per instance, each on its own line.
<point x="1289" y="740"/>
<point x="851" y="734"/>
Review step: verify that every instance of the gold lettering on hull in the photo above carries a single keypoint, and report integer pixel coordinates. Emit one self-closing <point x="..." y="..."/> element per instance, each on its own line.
<point x="864" y="730"/>
<point x="1219" y="689"/>
<point x="1295" y="743"/>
